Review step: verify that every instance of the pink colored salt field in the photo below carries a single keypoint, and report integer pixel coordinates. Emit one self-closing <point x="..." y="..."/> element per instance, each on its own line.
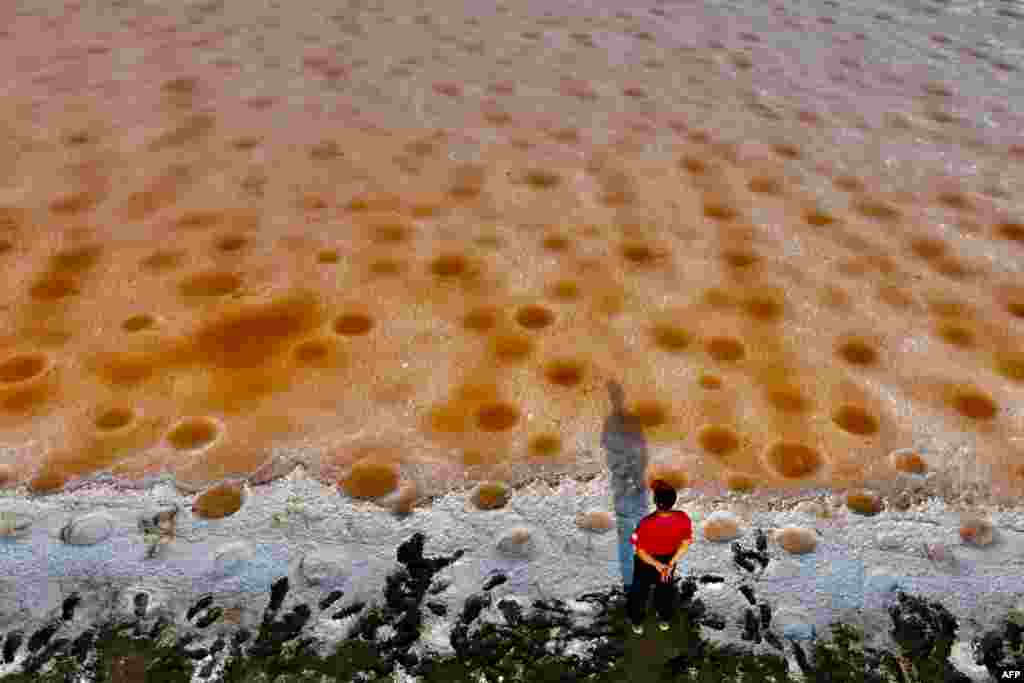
<point x="225" y="255"/>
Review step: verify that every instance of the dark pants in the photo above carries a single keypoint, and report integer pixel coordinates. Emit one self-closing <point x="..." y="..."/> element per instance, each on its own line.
<point x="644" y="575"/>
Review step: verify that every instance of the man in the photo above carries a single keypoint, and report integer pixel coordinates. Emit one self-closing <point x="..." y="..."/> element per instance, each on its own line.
<point x="660" y="539"/>
<point x="626" y="452"/>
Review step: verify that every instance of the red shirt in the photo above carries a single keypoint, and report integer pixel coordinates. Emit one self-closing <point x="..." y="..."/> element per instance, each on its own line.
<point x="661" y="534"/>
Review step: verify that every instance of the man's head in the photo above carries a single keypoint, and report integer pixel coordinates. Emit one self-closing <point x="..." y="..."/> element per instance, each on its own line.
<point x="664" y="494"/>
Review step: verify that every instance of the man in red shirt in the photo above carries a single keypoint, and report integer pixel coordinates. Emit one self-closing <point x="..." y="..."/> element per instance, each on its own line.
<point x="661" y="538"/>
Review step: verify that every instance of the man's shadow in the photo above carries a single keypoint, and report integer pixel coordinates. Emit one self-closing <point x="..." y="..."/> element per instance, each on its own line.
<point x="626" y="454"/>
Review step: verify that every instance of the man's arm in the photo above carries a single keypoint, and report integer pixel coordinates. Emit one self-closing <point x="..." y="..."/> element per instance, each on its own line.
<point x="646" y="557"/>
<point x="683" y="547"/>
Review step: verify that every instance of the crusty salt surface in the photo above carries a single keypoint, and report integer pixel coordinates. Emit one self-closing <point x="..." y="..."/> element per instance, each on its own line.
<point x="215" y="251"/>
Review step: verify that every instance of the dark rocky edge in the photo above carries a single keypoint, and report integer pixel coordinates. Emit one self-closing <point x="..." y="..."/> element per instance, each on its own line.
<point x="527" y="647"/>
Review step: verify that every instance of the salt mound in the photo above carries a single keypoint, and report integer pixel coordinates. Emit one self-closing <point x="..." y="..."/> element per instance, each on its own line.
<point x="88" y="529"/>
<point x="517" y="543"/>
<point x="720" y="526"/>
<point x="233" y="556"/>
<point x="976" y="531"/>
<point x="596" y="521"/>
<point x="371" y="478"/>
<point x="490" y="496"/>
<point x="673" y="475"/>
<point x="47" y="481"/>
<point x="408" y="494"/>
<point x="889" y="540"/>
<point x="864" y="502"/>
<point x="811" y="507"/>
<point x="322" y="566"/>
<point x="741" y="483"/>
<point x="219" y="501"/>
<point x="796" y="540"/>
<point x="907" y="460"/>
